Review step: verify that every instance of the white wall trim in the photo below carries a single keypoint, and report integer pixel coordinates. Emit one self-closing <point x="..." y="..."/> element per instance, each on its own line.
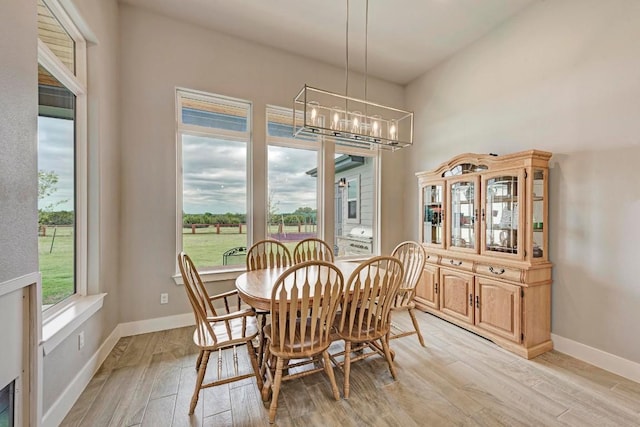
<point x="19" y="283"/>
<point x="68" y="397"/>
<point x="155" y="325"/>
<point x="607" y="361"/>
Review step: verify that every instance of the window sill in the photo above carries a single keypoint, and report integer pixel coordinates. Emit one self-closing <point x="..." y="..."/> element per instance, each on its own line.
<point x="58" y="324"/>
<point x="214" y="275"/>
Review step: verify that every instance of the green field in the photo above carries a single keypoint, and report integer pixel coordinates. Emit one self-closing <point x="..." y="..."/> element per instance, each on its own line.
<point x="205" y="247"/>
<point x="56" y="264"/>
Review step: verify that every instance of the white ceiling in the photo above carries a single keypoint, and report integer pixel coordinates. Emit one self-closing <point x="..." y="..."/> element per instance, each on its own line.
<point x="406" y="37"/>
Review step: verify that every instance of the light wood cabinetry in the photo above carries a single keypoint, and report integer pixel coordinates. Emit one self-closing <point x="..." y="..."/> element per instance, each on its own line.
<point x="483" y="223"/>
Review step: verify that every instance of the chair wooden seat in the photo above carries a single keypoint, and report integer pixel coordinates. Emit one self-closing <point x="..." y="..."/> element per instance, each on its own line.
<point x="241" y="329"/>
<point x="302" y="343"/>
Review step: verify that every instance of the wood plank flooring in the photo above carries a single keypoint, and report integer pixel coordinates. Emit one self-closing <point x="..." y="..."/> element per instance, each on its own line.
<point x="458" y="379"/>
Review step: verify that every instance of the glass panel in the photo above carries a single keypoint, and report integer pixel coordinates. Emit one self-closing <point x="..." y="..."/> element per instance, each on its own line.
<point x="502" y="214"/>
<point x="216" y="115"/>
<point x="214" y="200"/>
<point x="56" y="189"/>
<point x="293" y="194"/>
<point x="7" y="409"/>
<point x="51" y="32"/>
<point x="432" y="220"/>
<point x="355" y="200"/>
<point x="464" y="168"/>
<point x="539" y="197"/>
<point x="462" y="214"/>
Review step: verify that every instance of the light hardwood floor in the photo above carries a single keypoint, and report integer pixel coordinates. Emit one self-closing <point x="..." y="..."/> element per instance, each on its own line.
<point x="458" y="379"/>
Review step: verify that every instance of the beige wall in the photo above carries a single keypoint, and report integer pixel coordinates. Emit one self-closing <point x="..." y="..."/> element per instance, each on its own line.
<point x="562" y="76"/>
<point x="18" y="185"/>
<point x="63" y="363"/>
<point x="159" y="54"/>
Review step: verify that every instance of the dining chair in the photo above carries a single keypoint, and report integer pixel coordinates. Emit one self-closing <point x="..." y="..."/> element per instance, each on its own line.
<point x="267" y="253"/>
<point x="365" y="319"/>
<point x="312" y="249"/>
<point x="412" y="256"/>
<point x="218" y="331"/>
<point x="304" y="301"/>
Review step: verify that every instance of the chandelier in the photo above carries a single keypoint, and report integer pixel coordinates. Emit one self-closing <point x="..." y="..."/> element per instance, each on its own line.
<point x="348" y="120"/>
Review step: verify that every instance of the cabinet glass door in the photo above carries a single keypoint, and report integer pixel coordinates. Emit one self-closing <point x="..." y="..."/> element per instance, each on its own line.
<point x="433" y="214"/>
<point x="539" y="242"/>
<point x="463" y="214"/>
<point x="501" y="213"/>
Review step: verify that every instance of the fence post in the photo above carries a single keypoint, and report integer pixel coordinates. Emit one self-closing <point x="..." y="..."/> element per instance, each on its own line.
<point x="218" y="228"/>
<point x="240" y="228"/>
<point x="193" y="229"/>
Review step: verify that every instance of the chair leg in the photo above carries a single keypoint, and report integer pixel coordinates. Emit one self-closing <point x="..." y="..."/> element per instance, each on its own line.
<point x="387" y="354"/>
<point x="265" y="372"/>
<point x="254" y="364"/>
<point x="276" y="390"/>
<point x="201" y="370"/>
<point x="199" y="360"/>
<point x="332" y="378"/>
<point x="262" y="339"/>
<point x="347" y="367"/>
<point x="416" y="327"/>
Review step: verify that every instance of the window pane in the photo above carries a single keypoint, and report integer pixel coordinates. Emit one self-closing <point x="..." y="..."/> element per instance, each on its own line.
<point x="355" y="201"/>
<point x="218" y="115"/>
<point x="56" y="189"/>
<point x="292" y="202"/>
<point x="56" y="37"/>
<point x="214" y="200"/>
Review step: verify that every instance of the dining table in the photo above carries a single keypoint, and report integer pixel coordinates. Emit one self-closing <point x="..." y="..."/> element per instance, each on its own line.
<point x="255" y="287"/>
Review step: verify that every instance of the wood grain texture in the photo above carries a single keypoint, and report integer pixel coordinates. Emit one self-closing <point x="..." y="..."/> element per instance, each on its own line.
<point x="457" y="379"/>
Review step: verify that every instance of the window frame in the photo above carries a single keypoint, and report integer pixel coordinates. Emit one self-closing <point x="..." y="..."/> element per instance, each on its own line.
<point x="356" y="180"/>
<point x="77" y="84"/>
<point x="181" y="93"/>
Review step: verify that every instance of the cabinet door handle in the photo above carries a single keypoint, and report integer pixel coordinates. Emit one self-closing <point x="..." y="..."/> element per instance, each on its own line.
<point x="455" y="264"/>
<point x="477" y="301"/>
<point x="496" y="271"/>
<point x="475" y="216"/>
<point x="470" y="300"/>
<point x="483" y="214"/>
<point x="436" y="288"/>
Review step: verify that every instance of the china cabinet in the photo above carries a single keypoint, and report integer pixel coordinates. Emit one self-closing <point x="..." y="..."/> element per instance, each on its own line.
<point x="483" y="224"/>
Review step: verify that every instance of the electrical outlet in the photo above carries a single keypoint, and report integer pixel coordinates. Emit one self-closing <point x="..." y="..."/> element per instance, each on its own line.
<point x="80" y="340"/>
<point x="164" y="298"/>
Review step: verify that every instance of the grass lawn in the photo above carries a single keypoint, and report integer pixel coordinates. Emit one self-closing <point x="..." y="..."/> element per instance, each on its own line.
<point x="56" y="264"/>
<point x="205" y="247"/>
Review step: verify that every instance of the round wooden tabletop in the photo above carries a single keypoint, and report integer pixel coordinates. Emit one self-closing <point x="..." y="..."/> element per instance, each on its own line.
<point x="255" y="286"/>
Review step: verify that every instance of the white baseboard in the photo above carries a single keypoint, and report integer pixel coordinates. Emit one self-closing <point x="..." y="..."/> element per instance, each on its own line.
<point x="607" y="361"/>
<point x="68" y="397"/>
<point x="155" y="325"/>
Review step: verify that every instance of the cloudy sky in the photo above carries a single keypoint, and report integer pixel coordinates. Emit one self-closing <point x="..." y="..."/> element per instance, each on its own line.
<point x="215" y="171"/>
<point x="55" y="153"/>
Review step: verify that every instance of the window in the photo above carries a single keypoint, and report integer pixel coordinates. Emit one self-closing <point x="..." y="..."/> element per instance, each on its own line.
<point x="213" y="137"/>
<point x="353" y="199"/>
<point x="356" y="201"/>
<point x="62" y="171"/>
<point x="292" y="190"/>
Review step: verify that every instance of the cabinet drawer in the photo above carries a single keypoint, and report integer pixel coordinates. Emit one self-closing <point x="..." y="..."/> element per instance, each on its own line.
<point x="431" y="258"/>
<point x="500" y="272"/>
<point x="457" y="263"/>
